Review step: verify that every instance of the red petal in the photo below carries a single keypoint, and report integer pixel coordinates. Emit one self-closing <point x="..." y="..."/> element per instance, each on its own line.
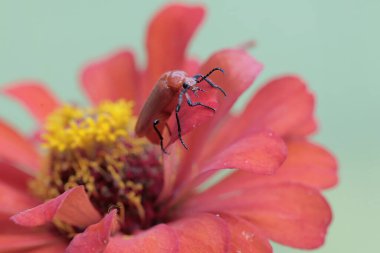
<point x="29" y="242"/>
<point x="288" y="213"/>
<point x="72" y="207"/>
<point x="284" y="104"/>
<point x="168" y="35"/>
<point x="35" y="97"/>
<point x="308" y="164"/>
<point x="203" y="233"/>
<point x="245" y="237"/>
<point x="14" y="177"/>
<point x="260" y="153"/>
<point x="158" y="239"/>
<point x="95" y="237"/>
<point x="17" y="149"/>
<point x="13" y="200"/>
<point x="113" y="78"/>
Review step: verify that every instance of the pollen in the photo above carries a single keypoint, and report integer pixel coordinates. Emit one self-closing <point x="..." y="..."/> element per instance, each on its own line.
<point x="71" y="127"/>
<point x="97" y="148"/>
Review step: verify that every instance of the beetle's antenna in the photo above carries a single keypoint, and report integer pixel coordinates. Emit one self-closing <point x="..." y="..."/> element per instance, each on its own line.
<point x="207" y="75"/>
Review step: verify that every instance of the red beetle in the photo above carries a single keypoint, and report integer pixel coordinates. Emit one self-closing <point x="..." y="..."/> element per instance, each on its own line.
<point x="167" y="96"/>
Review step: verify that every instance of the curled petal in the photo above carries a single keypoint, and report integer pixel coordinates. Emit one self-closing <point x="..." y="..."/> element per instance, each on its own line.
<point x="113" y="78"/>
<point x="169" y="33"/>
<point x="159" y="239"/>
<point x="203" y="233"/>
<point x="240" y="70"/>
<point x="283" y="105"/>
<point x="245" y="237"/>
<point x="16" y="149"/>
<point x="37" y="99"/>
<point x="95" y="238"/>
<point x="72" y="207"/>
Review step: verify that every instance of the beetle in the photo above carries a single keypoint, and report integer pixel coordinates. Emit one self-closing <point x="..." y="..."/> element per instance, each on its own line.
<point x="166" y="98"/>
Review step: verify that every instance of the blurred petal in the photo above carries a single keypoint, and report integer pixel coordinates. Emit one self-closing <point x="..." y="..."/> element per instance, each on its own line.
<point x="113" y="78"/>
<point x="245" y="237"/>
<point x="158" y="239"/>
<point x="95" y="238"/>
<point x="14" y="177"/>
<point x="283" y="104"/>
<point x="288" y="213"/>
<point x="203" y="233"/>
<point x="37" y="99"/>
<point x="15" y="199"/>
<point x="169" y="33"/>
<point x="191" y="66"/>
<point x="72" y="207"/>
<point x="16" y="149"/>
<point x="32" y="242"/>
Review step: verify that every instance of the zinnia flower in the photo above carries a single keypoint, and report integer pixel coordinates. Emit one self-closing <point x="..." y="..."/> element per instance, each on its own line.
<point x="86" y="183"/>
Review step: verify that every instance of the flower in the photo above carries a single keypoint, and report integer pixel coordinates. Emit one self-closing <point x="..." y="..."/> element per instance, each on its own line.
<point x="107" y="190"/>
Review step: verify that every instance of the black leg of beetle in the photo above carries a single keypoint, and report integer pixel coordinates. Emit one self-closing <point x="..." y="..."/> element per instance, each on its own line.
<point x="191" y="103"/>
<point x="180" y="98"/>
<point x="155" y="123"/>
<point x="208" y="74"/>
<point x="210" y="83"/>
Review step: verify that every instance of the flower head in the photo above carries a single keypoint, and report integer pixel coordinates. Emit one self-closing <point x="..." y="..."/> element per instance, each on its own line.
<point x="95" y="186"/>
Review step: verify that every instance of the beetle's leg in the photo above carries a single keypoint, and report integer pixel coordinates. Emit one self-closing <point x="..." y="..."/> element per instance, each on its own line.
<point x="180" y="98"/>
<point x="209" y="82"/>
<point x="155" y="123"/>
<point x="191" y="103"/>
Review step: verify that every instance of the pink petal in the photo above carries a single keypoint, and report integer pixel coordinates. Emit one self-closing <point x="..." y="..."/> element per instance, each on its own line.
<point x="203" y="233"/>
<point x="168" y="35"/>
<point x="282" y="105"/>
<point x="72" y="207"/>
<point x="245" y="237"/>
<point x="14" y="200"/>
<point x="158" y="239"/>
<point x="35" y="97"/>
<point x="288" y="213"/>
<point x="113" y="78"/>
<point x="95" y="238"/>
<point x="32" y="242"/>
<point x="240" y="71"/>
<point x="16" y="149"/>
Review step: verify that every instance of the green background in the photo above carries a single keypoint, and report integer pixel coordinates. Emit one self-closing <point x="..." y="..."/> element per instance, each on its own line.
<point x="334" y="45"/>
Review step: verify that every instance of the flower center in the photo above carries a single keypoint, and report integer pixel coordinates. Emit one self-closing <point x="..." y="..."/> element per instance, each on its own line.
<point x="97" y="148"/>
